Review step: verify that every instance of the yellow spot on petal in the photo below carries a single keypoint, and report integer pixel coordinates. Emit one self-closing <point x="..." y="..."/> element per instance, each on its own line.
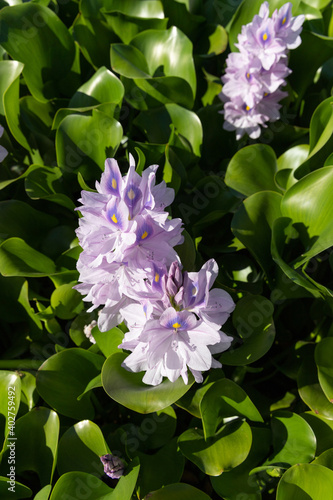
<point x="145" y="234"/>
<point x="247" y="108"/>
<point x="248" y="75"/>
<point x="284" y="20"/>
<point x="176" y="325"/>
<point x="114" y="183"/>
<point x="265" y="94"/>
<point x="157" y="278"/>
<point x="114" y="218"/>
<point x="264" y="37"/>
<point x="131" y="194"/>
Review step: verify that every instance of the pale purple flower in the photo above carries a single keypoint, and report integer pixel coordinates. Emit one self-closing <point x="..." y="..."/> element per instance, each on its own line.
<point x="178" y="326"/>
<point x="177" y="340"/>
<point x="3" y="151"/>
<point x="254" y="75"/>
<point x="124" y="233"/>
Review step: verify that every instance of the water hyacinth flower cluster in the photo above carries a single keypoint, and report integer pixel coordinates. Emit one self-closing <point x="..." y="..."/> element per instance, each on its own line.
<point x="131" y="271"/>
<point x="255" y="75"/>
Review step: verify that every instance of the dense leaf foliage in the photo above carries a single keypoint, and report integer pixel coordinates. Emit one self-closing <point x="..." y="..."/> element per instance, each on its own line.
<point x="86" y="80"/>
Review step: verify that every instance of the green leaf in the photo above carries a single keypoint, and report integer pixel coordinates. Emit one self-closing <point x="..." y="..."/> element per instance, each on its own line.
<point x="101" y="88"/>
<point x="19" y="259"/>
<point x="325" y="459"/>
<point x="170" y="49"/>
<point x="179" y="491"/>
<point x="252" y="225"/>
<point x="93" y="384"/>
<point x="28" y="385"/>
<point x="128" y="61"/>
<point x="37" y="431"/>
<point x="231" y="484"/>
<point x="308" y="203"/>
<point x="222" y="452"/>
<point x="323" y="429"/>
<point x="252" y="169"/>
<point x="305" y="482"/>
<point x="19" y="490"/>
<point x="108" y="341"/>
<point x="84" y="142"/>
<point x="80" y="449"/>
<point x="310" y="390"/>
<point x="323" y="358"/>
<point x="66" y="302"/>
<point x="33" y="29"/>
<point x="293" y="440"/>
<point x="192" y="399"/>
<point x="288" y="163"/>
<point x="128" y="389"/>
<point x="225" y="399"/>
<point x="44" y="493"/>
<point x="73" y="485"/>
<point x="253" y="320"/>
<point x="10" y="72"/>
<point x="187" y="252"/>
<point x="64" y="376"/>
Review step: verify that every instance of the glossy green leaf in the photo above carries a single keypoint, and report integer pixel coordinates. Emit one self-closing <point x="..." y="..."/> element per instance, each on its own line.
<point x="293" y="440"/>
<point x="305" y="482"/>
<point x="75" y="484"/>
<point x="323" y="429"/>
<point x="283" y="230"/>
<point x="253" y="321"/>
<point x="19" y="259"/>
<point x="252" y="225"/>
<point x="231" y="484"/>
<point x="222" y="452"/>
<point x="170" y="49"/>
<point x="33" y="29"/>
<point x="84" y="142"/>
<point x="28" y="385"/>
<point x="310" y="390"/>
<point x="323" y="358"/>
<point x="225" y="399"/>
<point x="66" y="302"/>
<point x="37" y="431"/>
<point x="192" y="399"/>
<point x="128" y="389"/>
<point x="108" y="341"/>
<point x="308" y="203"/>
<point x="10" y="390"/>
<point x="101" y="88"/>
<point x="64" y="376"/>
<point x="45" y="183"/>
<point x="93" y="384"/>
<point x="17" y="492"/>
<point x="179" y="491"/>
<point x="44" y="493"/>
<point x="10" y="72"/>
<point x="325" y="459"/>
<point x="80" y="448"/>
<point x="288" y="163"/>
<point x="128" y="61"/>
<point x="252" y="169"/>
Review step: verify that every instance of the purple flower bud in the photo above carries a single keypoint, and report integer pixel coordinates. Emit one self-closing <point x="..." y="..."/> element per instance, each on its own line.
<point x="175" y="279"/>
<point x="113" y="466"/>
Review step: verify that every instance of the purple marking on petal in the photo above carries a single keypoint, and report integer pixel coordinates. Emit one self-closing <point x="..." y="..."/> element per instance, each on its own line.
<point x="265" y="36"/>
<point x="132" y="196"/>
<point x="111" y="179"/>
<point x="117" y="215"/>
